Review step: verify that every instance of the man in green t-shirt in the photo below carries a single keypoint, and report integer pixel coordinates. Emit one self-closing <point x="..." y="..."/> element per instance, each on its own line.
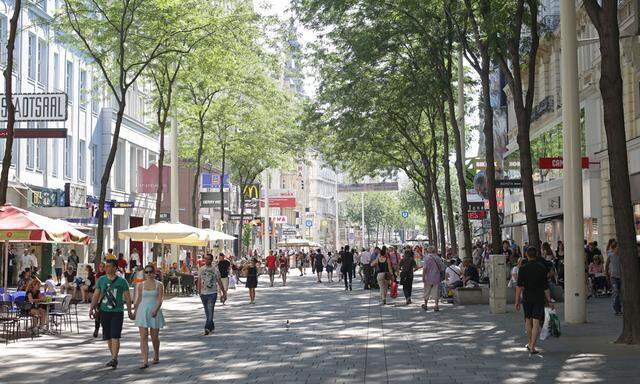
<point x="111" y="293"/>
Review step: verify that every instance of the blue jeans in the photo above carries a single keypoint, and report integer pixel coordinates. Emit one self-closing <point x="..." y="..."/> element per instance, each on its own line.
<point x="209" y="302"/>
<point x="616" y="284"/>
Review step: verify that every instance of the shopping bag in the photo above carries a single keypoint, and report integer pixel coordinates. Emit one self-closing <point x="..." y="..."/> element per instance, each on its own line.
<point x="544" y="330"/>
<point x="554" y="324"/>
<point x="394" y="289"/>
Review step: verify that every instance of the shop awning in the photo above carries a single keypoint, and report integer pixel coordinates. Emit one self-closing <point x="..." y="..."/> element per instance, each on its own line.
<point x="541" y="219"/>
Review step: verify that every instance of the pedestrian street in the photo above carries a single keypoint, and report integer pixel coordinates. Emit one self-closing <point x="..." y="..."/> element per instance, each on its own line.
<point x="317" y="333"/>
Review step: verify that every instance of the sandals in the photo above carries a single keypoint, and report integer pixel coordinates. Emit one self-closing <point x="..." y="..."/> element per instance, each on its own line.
<point x="155" y="361"/>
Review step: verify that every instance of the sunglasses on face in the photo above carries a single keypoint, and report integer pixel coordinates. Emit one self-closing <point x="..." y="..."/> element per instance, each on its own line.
<point x="149" y="272"/>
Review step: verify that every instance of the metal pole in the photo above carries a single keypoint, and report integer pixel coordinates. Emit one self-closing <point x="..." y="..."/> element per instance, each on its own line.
<point x="574" y="288"/>
<point x="266" y="239"/>
<point x="362" y="207"/>
<point x="337" y="219"/>
<point x="461" y="127"/>
<point x="175" y="201"/>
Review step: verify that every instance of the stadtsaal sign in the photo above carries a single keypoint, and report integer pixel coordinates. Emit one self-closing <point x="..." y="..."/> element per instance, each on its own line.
<point x="36" y="106"/>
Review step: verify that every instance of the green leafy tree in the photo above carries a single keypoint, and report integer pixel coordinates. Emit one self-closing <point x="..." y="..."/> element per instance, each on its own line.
<point x="122" y="39"/>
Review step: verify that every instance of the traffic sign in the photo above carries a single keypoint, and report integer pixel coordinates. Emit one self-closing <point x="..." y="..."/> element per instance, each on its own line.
<point x="405" y="214"/>
<point x="308" y="223"/>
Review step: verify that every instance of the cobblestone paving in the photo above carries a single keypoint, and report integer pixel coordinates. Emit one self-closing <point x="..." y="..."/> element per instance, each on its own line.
<point x="332" y="337"/>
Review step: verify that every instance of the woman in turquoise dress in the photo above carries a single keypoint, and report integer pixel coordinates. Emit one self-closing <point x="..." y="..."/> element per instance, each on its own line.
<point x="148" y="314"/>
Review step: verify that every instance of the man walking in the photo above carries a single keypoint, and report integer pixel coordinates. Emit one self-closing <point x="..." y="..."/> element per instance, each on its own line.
<point x="271" y="266"/>
<point x="223" y="268"/>
<point x="208" y="277"/>
<point x="110" y="294"/>
<point x="534" y="289"/>
<point x="346" y="267"/>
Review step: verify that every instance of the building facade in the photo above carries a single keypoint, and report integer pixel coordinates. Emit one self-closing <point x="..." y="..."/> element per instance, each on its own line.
<point x="60" y="178"/>
<point x="546" y="133"/>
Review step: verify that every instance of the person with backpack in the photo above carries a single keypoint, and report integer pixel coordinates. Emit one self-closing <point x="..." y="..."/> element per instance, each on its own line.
<point x="432" y="275"/>
<point x="111" y="293"/>
<point x="383" y="275"/>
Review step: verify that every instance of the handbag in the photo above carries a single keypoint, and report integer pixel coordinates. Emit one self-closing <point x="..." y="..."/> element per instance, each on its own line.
<point x="394" y="289"/>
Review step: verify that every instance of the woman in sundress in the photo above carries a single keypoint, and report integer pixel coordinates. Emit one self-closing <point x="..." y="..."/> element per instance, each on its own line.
<point x="148" y="314"/>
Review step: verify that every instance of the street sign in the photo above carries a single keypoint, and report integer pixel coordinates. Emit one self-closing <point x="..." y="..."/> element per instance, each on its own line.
<point x="352" y="236"/>
<point x="36" y="106"/>
<point x="405" y="214"/>
<point x="289" y="232"/>
<point x="124" y="204"/>
<point x="368" y="187"/>
<point x="308" y="223"/>
<point x="509" y="183"/>
<point x="557" y="163"/>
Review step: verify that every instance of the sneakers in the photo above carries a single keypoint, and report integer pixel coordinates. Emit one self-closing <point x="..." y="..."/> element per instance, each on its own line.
<point x="113" y="363"/>
<point x="206" y="332"/>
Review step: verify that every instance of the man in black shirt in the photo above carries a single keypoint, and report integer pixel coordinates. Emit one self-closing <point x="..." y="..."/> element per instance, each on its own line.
<point x="223" y="267"/>
<point x="534" y="290"/>
<point x="347" y="266"/>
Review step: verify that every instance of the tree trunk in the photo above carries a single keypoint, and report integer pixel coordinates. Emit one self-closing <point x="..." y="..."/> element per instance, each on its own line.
<point x="526" y="173"/>
<point x="447" y="184"/>
<point x="196" y="178"/>
<point x="462" y="184"/>
<point x="224" y="153"/>
<point x="11" y="109"/>
<point x="605" y="19"/>
<point x="104" y="181"/>
<point x="241" y="227"/>
<point x="162" y="125"/>
<point x="440" y="223"/>
<point x="496" y="232"/>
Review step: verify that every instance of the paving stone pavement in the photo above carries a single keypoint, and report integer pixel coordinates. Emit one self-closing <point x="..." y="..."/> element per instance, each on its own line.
<point x="332" y="337"/>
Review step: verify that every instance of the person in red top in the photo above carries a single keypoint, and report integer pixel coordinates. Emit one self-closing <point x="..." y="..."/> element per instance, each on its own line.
<point x="122" y="263"/>
<point x="271" y="266"/>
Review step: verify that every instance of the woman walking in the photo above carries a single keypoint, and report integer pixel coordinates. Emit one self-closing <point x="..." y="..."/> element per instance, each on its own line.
<point x="251" y="271"/>
<point x="148" y="314"/>
<point x="432" y="270"/>
<point x="329" y="267"/>
<point x="408" y="266"/>
<point x="384" y="274"/>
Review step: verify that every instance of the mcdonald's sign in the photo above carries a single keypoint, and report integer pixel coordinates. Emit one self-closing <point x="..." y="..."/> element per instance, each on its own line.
<point x="251" y="191"/>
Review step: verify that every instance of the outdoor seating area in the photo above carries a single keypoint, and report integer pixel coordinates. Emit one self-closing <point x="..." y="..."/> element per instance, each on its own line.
<point x="18" y="320"/>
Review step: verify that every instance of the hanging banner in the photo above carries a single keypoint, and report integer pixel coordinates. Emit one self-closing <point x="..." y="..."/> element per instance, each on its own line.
<point x="148" y="179"/>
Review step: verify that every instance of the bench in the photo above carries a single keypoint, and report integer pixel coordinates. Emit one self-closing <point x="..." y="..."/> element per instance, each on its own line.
<point x="470" y="296"/>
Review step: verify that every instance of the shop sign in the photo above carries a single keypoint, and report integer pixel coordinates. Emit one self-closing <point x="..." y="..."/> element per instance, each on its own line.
<point x="368" y="187"/>
<point x="212" y="199"/>
<point x="212" y="180"/>
<point x="45" y="197"/>
<point x="508" y="183"/>
<point x="165" y="216"/>
<point x="281" y="198"/>
<point x="251" y="191"/>
<point x="124" y="204"/>
<point x="36" y="107"/>
<point x="557" y="163"/>
<point x="279" y="219"/>
<point x="474" y="206"/>
<point x="94" y="212"/>
<point x="75" y="195"/>
<point x="477" y="215"/>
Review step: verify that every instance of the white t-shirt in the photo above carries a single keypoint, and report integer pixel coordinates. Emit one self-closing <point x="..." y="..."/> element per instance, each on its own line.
<point x="209" y="279"/>
<point x="49" y="286"/>
<point x="453" y="274"/>
<point x="33" y="260"/>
